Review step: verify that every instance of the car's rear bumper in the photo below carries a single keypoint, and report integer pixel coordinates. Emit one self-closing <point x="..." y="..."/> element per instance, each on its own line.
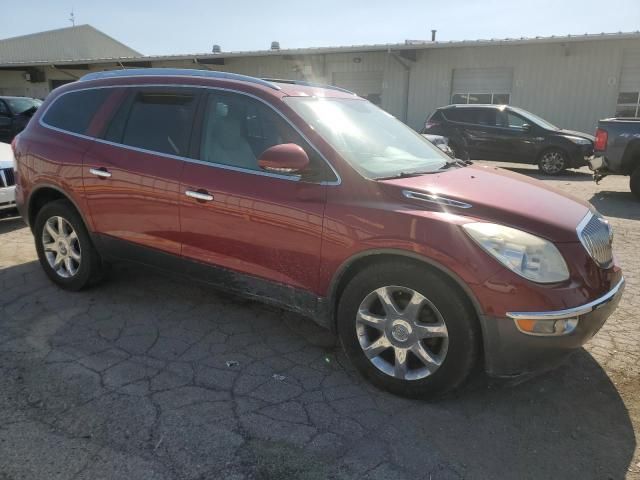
<point x="510" y="351"/>
<point x="7" y="198"/>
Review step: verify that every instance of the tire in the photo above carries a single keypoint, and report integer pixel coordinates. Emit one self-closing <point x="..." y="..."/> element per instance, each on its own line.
<point x="451" y="358"/>
<point x="82" y="266"/>
<point x="553" y="161"/>
<point x="634" y="182"/>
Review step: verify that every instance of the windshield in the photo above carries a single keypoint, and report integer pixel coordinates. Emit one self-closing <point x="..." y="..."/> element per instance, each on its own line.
<point x="535" y="119"/>
<point x="21" y="105"/>
<point x="371" y="140"/>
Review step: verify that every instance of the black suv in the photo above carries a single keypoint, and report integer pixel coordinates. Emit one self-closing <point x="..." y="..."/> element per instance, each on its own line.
<point x="501" y="132"/>
<point x="15" y="113"/>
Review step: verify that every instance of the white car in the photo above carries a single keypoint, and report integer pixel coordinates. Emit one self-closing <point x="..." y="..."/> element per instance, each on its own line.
<point x="7" y="181"/>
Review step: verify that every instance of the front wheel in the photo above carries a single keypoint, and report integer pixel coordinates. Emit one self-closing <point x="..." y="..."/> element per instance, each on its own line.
<point x="553" y="162"/>
<point x="64" y="247"/>
<point x="408" y="329"/>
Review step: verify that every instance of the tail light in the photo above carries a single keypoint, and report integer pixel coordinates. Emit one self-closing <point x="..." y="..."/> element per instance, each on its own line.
<point x="430" y="124"/>
<point x="602" y="137"/>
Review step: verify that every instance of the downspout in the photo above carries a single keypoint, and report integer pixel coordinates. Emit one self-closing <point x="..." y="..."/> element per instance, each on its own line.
<point x="407" y="83"/>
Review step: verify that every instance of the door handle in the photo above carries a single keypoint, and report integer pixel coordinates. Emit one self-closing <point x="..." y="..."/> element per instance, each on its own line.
<point x="100" y="172"/>
<point x="201" y="195"/>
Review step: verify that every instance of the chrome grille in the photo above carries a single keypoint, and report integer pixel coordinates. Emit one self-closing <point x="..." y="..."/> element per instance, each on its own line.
<point x="596" y="236"/>
<point x="6" y="177"/>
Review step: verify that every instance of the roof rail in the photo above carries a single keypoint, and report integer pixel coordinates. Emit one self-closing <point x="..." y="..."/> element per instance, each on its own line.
<point x="308" y="84"/>
<point x="176" y="72"/>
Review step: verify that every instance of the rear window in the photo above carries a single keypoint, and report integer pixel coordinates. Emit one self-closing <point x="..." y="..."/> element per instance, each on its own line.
<point x="160" y="121"/>
<point x="74" y="111"/>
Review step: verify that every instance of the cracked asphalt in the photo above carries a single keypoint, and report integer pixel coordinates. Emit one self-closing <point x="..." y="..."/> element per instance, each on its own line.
<point x="148" y="377"/>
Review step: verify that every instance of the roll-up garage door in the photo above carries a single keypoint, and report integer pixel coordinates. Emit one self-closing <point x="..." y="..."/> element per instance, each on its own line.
<point x="628" y="104"/>
<point x="630" y="75"/>
<point x="366" y="84"/>
<point x="481" y="85"/>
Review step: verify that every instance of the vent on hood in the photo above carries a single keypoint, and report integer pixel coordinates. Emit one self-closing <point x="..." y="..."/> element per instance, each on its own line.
<point x="434" y="198"/>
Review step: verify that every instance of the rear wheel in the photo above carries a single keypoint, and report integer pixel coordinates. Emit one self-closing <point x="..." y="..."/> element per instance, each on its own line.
<point x="64" y="247"/>
<point x="408" y="329"/>
<point x="552" y="162"/>
<point x="634" y="182"/>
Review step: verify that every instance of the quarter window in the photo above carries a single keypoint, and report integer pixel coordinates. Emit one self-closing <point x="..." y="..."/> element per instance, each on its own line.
<point x="628" y="104"/>
<point x="74" y="111"/>
<point x="160" y="121"/>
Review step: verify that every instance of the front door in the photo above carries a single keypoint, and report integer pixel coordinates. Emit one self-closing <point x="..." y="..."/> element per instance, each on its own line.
<point x="236" y="216"/>
<point x="515" y="137"/>
<point x="132" y="177"/>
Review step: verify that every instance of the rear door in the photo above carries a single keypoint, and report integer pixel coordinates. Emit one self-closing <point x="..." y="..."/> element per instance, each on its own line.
<point x="475" y="127"/>
<point x="132" y="175"/>
<point x="248" y="221"/>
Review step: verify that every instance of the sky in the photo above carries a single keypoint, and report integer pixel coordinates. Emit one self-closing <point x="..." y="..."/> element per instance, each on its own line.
<point x="193" y="26"/>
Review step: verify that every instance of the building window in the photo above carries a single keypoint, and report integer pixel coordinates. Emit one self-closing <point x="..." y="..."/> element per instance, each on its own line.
<point x="628" y="104"/>
<point x="481" y="98"/>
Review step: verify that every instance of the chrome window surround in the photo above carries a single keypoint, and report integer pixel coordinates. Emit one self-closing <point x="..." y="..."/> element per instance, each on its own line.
<point x="293" y="178"/>
<point x="434" y="198"/>
<point x="571" y="312"/>
<point x="602" y="246"/>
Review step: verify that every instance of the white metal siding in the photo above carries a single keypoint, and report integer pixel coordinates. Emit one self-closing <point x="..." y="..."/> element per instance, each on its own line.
<point x="630" y="75"/>
<point x="482" y="80"/>
<point x="362" y="83"/>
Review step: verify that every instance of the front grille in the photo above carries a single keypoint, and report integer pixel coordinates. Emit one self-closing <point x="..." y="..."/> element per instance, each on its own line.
<point x="596" y="236"/>
<point x="6" y="177"/>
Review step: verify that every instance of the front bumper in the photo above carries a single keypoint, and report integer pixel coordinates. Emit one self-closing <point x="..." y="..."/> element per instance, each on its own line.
<point x="510" y="351"/>
<point x="7" y="198"/>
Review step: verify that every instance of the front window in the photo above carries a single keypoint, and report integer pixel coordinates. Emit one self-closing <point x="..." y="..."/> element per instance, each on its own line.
<point x="372" y="141"/>
<point x="535" y="119"/>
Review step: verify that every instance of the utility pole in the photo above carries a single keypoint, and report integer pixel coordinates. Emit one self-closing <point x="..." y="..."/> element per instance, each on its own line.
<point x="72" y="18"/>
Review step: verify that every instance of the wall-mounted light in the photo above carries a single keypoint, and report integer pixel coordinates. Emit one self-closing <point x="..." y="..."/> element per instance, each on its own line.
<point x="357" y="59"/>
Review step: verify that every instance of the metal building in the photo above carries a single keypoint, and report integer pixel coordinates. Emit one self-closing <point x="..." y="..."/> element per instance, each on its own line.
<point x="571" y="81"/>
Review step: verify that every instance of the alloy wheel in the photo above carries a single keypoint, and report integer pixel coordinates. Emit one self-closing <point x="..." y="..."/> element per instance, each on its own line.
<point x="552" y="162"/>
<point x="61" y="247"/>
<point x="402" y="333"/>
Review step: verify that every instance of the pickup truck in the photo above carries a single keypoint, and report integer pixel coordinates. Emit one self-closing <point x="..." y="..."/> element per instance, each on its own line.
<point x="617" y="150"/>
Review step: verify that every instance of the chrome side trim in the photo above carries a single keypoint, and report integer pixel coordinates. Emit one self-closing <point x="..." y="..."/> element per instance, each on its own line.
<point x="571" y="312"/>
<point x="434" y="198"/>
<point x="293" y="178"/>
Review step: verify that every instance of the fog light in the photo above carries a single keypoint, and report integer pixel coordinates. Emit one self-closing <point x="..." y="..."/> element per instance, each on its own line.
<point x="547" y="327"/>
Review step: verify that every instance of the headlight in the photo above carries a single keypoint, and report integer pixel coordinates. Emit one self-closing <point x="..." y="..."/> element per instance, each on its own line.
<point x="529" y="256"/>
<point x="578" y="140"/>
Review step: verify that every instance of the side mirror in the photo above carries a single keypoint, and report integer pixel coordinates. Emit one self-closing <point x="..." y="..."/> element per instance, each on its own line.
<point x="526" y="127"/>
<point x="286" y="158"/>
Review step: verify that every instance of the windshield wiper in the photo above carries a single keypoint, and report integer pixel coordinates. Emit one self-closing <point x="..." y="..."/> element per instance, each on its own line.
<point x="406" y="175"/>
<point x="456" y="162"/>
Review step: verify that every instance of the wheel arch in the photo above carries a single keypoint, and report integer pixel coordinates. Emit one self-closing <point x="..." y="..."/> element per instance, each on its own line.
<point x="47" y="193"/>
<point x="631" y="157"/>
<point x="350" y="267"/>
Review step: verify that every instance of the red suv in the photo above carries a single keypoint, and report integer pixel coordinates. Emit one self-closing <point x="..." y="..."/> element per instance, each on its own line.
<point x="315" y="200"/>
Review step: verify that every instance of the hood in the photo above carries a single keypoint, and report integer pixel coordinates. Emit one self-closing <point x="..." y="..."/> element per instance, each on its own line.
<point x="6" y="155"/>
<point x="573" y="133"/>
<point x="504" y="197"/>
